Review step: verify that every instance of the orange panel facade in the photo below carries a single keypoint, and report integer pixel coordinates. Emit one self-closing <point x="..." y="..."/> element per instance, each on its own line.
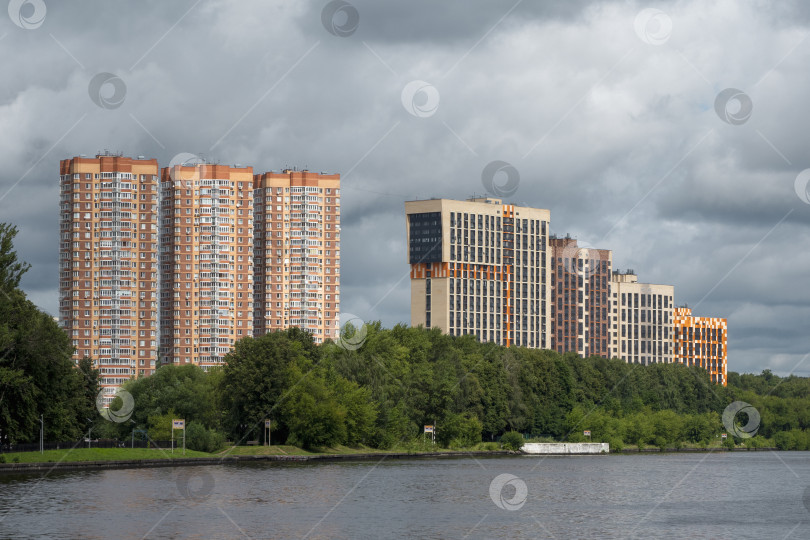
<point x="108" y="264"/>
<point x="297" y="249"/>
<point x="702" y="341"/>
<point x="206" y="262"/>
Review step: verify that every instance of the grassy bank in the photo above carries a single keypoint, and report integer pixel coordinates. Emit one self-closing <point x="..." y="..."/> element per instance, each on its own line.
<point x="124" y="454"/>
<point x="277" y="450"/>
<point x="127" y="454"/>
<point x="98" y="454"/>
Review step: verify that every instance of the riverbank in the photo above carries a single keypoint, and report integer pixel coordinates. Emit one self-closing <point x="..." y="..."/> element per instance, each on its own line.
<point x="114" y="458"/>
<point x="177" y="460"/>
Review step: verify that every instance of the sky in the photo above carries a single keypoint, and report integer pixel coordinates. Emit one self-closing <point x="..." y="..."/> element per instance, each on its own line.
<point x="673" y="133"/>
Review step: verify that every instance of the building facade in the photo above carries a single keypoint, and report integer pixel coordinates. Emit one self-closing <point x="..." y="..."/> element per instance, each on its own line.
<point x="297" y="253"/>
<point x="580" y="298"/>
<point x="642" y="320"/>
<point x="480" y="267"/>
<point x="108" y="265"/>
<point x="206" y="262"/>
<point x="702" y="341"/>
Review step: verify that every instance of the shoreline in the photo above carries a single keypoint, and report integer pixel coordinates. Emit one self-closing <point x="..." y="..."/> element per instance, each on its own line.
<point x="12" y="468"/>
<point x="22" y="468"/>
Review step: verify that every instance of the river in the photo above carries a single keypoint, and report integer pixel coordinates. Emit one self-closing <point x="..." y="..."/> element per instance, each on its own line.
<point x="707" y="495"/>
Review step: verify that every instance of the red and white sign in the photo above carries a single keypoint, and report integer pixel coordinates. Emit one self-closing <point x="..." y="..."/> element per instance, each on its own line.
<point x="587" y="432"/>
<point x="428" y="429"/>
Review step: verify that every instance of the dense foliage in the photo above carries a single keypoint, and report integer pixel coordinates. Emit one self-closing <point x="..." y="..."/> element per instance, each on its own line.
<point x="38" y="379"/>
<point x="401" y="379"/>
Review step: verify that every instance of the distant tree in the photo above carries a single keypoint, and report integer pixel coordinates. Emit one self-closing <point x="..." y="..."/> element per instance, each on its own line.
<point x="37" y="374"/>
<point x="255" y="378"/>
<point x="160" y="426"/>
<point x="11" y="269"/>
<point x="313" y="415"/>
<point x="187" y="390"/>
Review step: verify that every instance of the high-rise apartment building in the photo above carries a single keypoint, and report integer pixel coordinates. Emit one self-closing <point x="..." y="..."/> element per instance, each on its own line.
<point x="641" y="323"/>
<point x="702" y="341"/>
<point x="580" y="298"/>
<point x="480" y="267"/>
<point x="108" y="265"/>
<point x="297" y="253"/>
<point x="206" y="262"/>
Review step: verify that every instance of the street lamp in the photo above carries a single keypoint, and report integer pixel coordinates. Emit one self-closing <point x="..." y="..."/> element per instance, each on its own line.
<point x="133" y="432"/>
<point x="89" y="429"/>
<point x="41" y="434"/>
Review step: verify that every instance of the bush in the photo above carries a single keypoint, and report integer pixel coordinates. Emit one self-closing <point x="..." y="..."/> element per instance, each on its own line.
<point x="2" y="458"/>
<point x="616" y="444"/>
<point x="420" y="443"/>
<point x="15" y="459"/>
<point x="459" y="431"/>
<point x="203" y="440"/>
<point x="512" y="440"/>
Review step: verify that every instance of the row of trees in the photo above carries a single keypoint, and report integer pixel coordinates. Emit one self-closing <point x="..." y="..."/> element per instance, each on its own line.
<point x="380" y="395"/>
<point x="401" y="379"/>
<point x="38" y="379"/>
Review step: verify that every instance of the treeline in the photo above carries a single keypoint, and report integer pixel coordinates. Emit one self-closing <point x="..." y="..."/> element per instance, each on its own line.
<point x="400" y="379"/>
<point x="38" y="379"/>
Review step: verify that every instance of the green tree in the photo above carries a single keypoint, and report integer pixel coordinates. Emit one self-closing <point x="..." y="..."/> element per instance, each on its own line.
<point x="311" y="412"/>
<point x="255" y="377"/>
<point x="187" y="390"/>
<point x="11" y="269"/>
<point x="160" y="426"/>
<point x="37" y="374"/>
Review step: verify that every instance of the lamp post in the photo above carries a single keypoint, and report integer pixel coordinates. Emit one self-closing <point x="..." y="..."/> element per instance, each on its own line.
<point x="133" y="433"/>
<point x="89" y="429"/>
<point x="41" y="434"/>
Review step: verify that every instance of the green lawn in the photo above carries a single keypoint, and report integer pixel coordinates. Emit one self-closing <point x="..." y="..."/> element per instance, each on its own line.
<point x="107" y="454"/>
<point x="99" y="454"/>
<point x="275" y="450"/>
<point x="283" y="449"/>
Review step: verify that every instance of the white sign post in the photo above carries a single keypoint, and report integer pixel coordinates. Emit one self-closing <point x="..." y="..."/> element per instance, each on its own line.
<point x="179" y="424"/>
<point x="432" y="431"/>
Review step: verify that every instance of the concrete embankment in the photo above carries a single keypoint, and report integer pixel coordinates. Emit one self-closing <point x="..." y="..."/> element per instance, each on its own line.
<point x="18" y="468"/>
<point x="566" y="448"/>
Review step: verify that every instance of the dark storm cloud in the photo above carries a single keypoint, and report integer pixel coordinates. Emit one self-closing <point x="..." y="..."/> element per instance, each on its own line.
<point x="618" y="137"/>
<point x="444" y="23"/>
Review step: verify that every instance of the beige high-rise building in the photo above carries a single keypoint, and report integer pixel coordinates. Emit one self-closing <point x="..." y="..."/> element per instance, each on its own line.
<point x="206" y="262"/>
<point x="108" y="264"/>
<point x="480" y="267"/>
<point x="297" y="253"/>
<point x="642" y="320"/>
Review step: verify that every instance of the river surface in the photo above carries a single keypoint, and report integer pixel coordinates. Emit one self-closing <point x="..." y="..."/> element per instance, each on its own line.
<point x="710" y="495"/>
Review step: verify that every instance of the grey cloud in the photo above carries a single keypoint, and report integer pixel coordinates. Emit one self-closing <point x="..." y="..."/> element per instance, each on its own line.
<point x="607" y="132"/>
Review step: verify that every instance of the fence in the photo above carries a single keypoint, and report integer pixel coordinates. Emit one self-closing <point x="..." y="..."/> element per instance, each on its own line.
<point x="92" y="443"/>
